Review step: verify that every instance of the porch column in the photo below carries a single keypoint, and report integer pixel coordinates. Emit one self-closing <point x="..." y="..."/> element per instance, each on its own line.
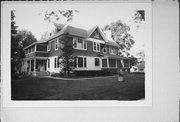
<point x="107" y="62"/>
<point x="34" y="64"/>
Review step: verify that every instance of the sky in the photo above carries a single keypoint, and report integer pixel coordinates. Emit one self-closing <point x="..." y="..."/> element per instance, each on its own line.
<point x="90" y="15"/>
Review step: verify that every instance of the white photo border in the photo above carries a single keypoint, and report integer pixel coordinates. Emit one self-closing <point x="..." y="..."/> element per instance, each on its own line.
<point x="5" y="59"/>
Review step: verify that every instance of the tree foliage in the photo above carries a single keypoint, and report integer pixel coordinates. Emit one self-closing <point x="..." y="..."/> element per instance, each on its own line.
<point x="139" y="16"/>
<point x="16" y="49"/>
<point x="19" y="40"/>
<point x="67" y="59"/>
<point x="50" y="15"/>
<point x="27" y="37"/>
<point x="120" y="33"/>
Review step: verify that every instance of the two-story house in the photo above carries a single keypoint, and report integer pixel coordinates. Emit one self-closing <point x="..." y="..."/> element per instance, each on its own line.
<point x="92" y="48"/>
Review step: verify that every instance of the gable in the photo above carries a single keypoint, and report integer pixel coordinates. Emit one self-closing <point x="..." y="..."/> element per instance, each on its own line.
<point x="96" y="35"/>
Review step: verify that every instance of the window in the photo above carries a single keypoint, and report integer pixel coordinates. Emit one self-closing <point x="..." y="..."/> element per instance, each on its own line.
<point x="49" y="46"/>
<point x="56" y="44"/>
<point x="97" y="62"/>
<point x="112" y="50"/>
<point x="84" y="61"/>
<point x="104" y="50"/>
<point x="81" y="62"/>
<point x="48" y="63"/>
<point x="96" y="46"/>
<point x="85" y="44"/>
<point x="79" y="43"/>
<point x="55" y="62"/>
<point x="104" y="62"/>
<point x="112" y="63"/>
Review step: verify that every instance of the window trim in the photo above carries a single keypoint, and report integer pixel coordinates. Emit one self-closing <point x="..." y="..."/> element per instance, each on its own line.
<point x="56" y="44"/>
<point x="95" y="62"/>
<point x="75" y="39"/>
<point x="107" y="66"/>
<point x="96" y="43"/>
<point x="111" y="50"/>
<point x="49" y="47"/>
<point x="84" y="57"/>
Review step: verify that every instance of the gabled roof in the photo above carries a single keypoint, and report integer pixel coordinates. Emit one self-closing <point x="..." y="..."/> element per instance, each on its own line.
<point x="100" y="31"/>
<point x="71" y="30"/>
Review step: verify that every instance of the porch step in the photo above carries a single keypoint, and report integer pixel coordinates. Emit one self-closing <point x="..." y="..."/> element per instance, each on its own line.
<point x="42" y="74"/>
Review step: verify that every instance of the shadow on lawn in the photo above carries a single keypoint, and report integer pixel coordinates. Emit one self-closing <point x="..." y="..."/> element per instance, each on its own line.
<point x="106" y="88"/>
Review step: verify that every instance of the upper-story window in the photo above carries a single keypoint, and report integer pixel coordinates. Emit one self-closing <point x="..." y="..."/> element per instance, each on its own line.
<point x="112" y="50"/>
<point x="96" y="46"/>
<point x="49" y="46"/>
<point x="80" y="44"/>
<point x="56" y="44"/>
<point x="104" y="50"/>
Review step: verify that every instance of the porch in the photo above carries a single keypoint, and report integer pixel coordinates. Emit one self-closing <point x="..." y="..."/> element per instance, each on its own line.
<point x="36" y="66"/>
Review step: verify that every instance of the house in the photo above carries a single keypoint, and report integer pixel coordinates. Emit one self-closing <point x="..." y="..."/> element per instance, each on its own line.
<point x="94" y="51"/>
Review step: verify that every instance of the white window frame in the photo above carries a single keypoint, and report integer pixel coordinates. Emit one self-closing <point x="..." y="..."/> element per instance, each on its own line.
<point x="56" y="44"/>
<point x="49" y="46"/>
<point x="83" y="61"/>
<point x="111" y="51"/>
<point x="75" y="39"/>
<point x="95" y="62"/>
<point x="107" y="65"/>
<point x="96" y="43"/>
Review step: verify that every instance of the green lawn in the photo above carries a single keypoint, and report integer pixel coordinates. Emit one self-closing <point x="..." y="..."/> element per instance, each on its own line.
<point x="106" y="88"/>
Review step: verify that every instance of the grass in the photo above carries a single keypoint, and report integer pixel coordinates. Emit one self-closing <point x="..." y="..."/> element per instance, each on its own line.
<point x="106" y="88"/>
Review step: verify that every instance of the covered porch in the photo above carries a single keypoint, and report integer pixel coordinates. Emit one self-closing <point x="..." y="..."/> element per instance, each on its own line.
<point x="36" y="66"/>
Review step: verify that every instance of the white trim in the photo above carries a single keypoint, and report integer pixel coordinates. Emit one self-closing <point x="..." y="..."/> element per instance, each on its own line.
<point x="56" y="43"/>
<point x="96" y="47"/>
<point x="83" y="62"/>
<point x="106" y="63"/>
<point x="111" y="48"/>
<point x="96" y="40"/>
<point x="48" y="46"/>
<point x="76" y="39"/>
<point x="41" y="51"/>
<point x="95" y="62"/>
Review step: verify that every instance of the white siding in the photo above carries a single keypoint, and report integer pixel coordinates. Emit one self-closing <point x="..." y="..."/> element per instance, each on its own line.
<point x="51" y="66"/>
<point x="91" y="64"/>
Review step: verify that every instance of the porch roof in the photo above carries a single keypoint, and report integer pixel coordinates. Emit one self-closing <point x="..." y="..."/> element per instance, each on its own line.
<point x="113" y="56"/>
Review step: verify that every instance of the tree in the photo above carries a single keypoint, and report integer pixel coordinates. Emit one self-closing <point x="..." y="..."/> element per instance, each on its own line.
<point x="120" y="33"/>
<point x="27" y="37"/>
<point x="16" y="50"/>
<point x="51" y="16"/>
<point x="139" y="17"/>
<point x="67" y="59"/>
<point x="19" y="40"/>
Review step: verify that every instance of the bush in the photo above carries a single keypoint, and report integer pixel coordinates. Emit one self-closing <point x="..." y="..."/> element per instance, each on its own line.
<point x="92" y="73"/>
<point x="56" y="74"/>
